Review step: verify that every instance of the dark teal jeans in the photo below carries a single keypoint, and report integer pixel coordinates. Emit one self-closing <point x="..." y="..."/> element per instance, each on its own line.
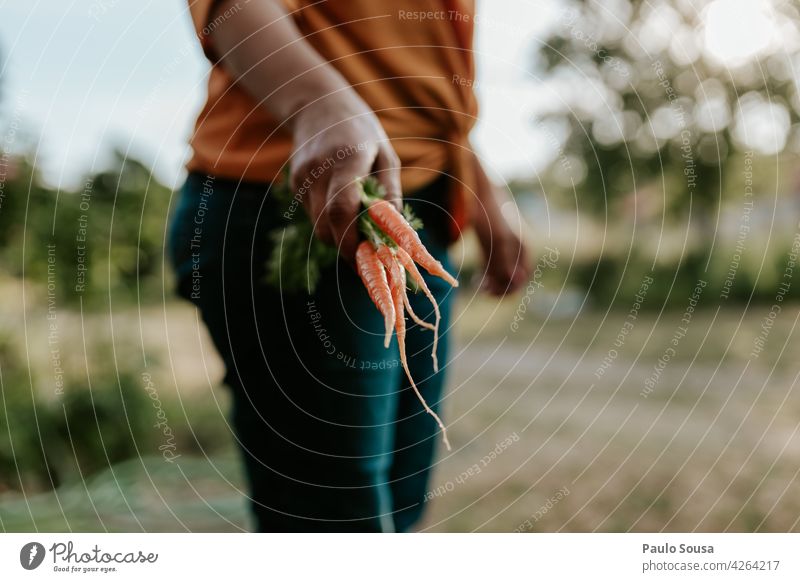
<point x="332" y="436"/>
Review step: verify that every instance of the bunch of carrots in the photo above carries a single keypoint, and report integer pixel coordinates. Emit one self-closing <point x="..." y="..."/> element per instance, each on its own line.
<point x="391" y="249"/>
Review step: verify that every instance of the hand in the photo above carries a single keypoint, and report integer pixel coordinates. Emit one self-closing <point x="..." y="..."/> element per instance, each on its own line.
<point x="337" y="141"/>
<point x="507" y="266"/>
<point x="337" y="137"/>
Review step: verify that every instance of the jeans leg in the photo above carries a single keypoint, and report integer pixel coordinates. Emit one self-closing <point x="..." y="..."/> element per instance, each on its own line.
<point x="314" y="391"/>
<point x="416" y="433"/>
<point x="315" y="417"/>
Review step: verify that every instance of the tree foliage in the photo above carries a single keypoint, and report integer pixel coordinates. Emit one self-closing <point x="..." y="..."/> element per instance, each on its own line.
<point x="100" y="241"/>
<point x="649" y="93"/>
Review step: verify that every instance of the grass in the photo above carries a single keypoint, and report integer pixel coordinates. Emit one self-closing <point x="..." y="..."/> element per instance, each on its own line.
<point x="147" y="494"/>
<point x="713" y="447"/>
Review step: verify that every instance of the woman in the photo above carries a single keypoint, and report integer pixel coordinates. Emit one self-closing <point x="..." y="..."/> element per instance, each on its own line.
<point x="332" y="437"/>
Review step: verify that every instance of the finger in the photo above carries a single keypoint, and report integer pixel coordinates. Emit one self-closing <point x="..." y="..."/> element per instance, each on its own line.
<point x="515" y="285"/>
<point x="320" y="219"/>
<point x="297" y="176"/>
<point x="522" y="270"/>
<point x="501" y="281"/>
<point x="387" y="171"/>
<point x="341" y="211"/>
<point x="516" y="277"/>
<point x="495" y="287"/>
<point x="301" y="182"/>
<point x="516" y="280"/>
<point x="314" y="192"/>
<point x="494" y="279"/>
<point x="520" y="276"/>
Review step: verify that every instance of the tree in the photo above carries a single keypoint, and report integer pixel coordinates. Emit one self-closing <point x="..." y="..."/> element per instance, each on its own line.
<point x="658" y="97"/>
<point x="645" y="95"/>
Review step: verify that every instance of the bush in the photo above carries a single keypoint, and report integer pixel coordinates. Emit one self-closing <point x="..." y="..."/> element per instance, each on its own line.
<point x="103" y="426"/>
<point x="45" y="442"/>
<point x="27" y="454"/>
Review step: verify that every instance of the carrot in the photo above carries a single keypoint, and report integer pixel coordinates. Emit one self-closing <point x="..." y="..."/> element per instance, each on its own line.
<point x="387" y="256"/>
<point x="397" y="284"/>
<point x="418" y="320"/>
<point x="408" y="264"/>
<point x="389" y="219"/>
<point x="372" y="273"/>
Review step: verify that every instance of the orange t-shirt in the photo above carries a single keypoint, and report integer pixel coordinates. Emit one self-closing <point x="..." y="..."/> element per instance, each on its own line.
<point x="410" y="60"/>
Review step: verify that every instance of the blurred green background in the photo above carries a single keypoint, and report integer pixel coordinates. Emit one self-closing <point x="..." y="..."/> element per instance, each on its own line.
<point x="589" y="402"/>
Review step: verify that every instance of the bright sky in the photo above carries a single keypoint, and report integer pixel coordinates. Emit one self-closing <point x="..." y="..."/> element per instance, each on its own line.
<point x="84" y="76"/>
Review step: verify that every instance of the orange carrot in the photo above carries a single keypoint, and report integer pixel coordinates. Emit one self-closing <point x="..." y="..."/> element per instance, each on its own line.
<point x="408" y="264"/>
<point x="384" y="255"/>
<point x="397" y="284"/>
<point x="389" y="219"/>
<point x="373" y="275"/>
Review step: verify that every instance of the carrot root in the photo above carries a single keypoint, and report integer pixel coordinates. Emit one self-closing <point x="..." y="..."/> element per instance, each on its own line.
<point x="427" y="408"/>
<point x="408" y="263"/>
<point x="397" y="284"/>
<point x="417" y="319"/>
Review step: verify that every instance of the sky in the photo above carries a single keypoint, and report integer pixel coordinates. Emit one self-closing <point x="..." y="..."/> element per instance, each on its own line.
<point x="82" y="77"/>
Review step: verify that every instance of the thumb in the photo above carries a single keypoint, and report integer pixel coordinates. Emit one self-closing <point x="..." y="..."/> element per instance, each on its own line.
<point x="387" y="171"/>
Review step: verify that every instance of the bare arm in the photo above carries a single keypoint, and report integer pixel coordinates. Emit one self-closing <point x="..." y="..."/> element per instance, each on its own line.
<point x="262" y="48"/>
<point x="507" y="267"/>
